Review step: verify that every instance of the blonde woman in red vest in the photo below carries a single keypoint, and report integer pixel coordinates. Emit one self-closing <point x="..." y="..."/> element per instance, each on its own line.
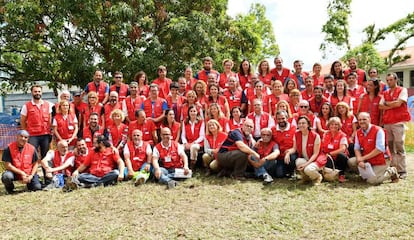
<point x="142" y="80"/>
<point x="324" y="115"/>
<point x="317" y="76"/>
<point x="396" y="115"/>
<point x="276" y="96"/>
<point x="137" y="156"/>
<point x="349" y="124"/>
<point x="174" y="126"/>
<point x="118" y="131"/>
<point x="65" y="124"/>
<point x="264" y="74"/>
<point x="369" y="102"/>
<point x="235" y="121"/>
<point x="214" y="112"/>
<point x="334" y="145"/>
<point x="191" y="99"/>
<point x="212" y="143"/>
<point x="96" y="107"/>
<point x="307" y="144"/>
<point x="200" y="88"/>
<point x="193" y="133"/>
<point x="369" y="152"/>
<point x="20" y="160"/>
<point x="294" y="99"/>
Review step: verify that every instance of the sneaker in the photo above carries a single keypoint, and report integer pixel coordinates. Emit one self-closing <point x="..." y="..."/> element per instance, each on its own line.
<point x="318" y="180"/>
<point x="139" y="181"/>
<point x="172" y="184"/>
<point x="402" y="175"/>
<point x="267" y="179"/>
<point x="341" y="178"/>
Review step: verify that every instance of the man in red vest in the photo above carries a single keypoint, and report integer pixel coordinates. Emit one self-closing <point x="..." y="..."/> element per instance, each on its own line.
<point x="80" y="109"/>
<point x="394" y="104"/>
<point x="207" y="69"/>
<point x="369" y="151"/>
<point x="146" y="126"/>
<point x="154" y="106"/>
<point x="138" y="157"/>
<point x="132" y="103"/>
<point x="162" y="82"/>
<point x="92" y="130"/>
<point x="20" y="160"/>
<point x="361" y="75"/>
<point x="120" y="87"/>
<point x="260" y="118"/>
<point x="279" y="72"/>
<point x="101" y="162"/>
<point x="299" y="75"/>
<point x="59" y="161"/>
<point x="168" y="156"/>
<point x="98" y="86"/>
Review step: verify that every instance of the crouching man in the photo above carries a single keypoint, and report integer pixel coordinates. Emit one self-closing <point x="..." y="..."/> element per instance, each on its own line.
<point x="167" y="157"/>
<point x="369" y="151"/>
<point x="20" y="159"/>
<point x="101" y="162"/>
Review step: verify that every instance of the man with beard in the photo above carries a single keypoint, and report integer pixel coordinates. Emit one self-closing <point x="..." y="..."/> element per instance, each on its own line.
<point x="93" y="129"/>
<point x="132" y="103"/>
<point x="119" y="87"/>
<point x="207" y="69"/>
<point x="279" y="72"/>
<point x="98" y="86"/>
<point x="283" y="134"/>
<point x="329" y="85"/>
<point x="112" y="104"/>
<point x="101" y="162"/>
<point x="36" y="118"/>
<point x="317" y="100"/>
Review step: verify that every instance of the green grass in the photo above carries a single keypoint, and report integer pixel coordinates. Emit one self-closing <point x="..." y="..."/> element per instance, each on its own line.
<point x="409" y="138"/>
<point x="212" y="208"/>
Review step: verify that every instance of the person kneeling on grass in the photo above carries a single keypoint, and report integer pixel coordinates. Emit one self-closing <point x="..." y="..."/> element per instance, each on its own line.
<point x="369" y="152"/>
<point x="169" y="160"/>
<point x="101" y="162"/>
<point x="138" y="157"/>
<point x="58" y="164"/>
<point x="20" y="160"/>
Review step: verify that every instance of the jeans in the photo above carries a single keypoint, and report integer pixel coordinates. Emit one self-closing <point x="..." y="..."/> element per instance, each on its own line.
<point x="8" y="177"/>
<point x="167" y="174"/>
<point x="41" y="141"/>
<point x="281" y="169"/>
<point x="107" y="179"/>
<point x="142" y="168"/>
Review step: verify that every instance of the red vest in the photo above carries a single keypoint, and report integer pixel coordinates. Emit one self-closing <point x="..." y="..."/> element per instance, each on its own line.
<point x="243" y="80"/>
<point x="202" y="75"/>
<point x="273" y="100"/>
<point x="137" y="155"/>
<point x="331" y="143"/>
<point x="157" y="107"/>
<point x="184" y="110"/>
<point x="87" y="135"/>
<point x="192" y="136"/>
<point x="309" y="147"/>
<point x="123" y="91"/>
<point x="306" y="96"/>
<point x="318" y="81"/>
<point x="118" y="134"/>
<point x="233" y="98"/>
<point x="368" y="143"/>
<point x="304" y="75"/>
<point x="163" y="86"/>
<point x="282" y="77"/>
<point x="22" y="160"/>
<point x="100" y="91"/>
<point x="133" y="106"/>
<point x="355" y="95"/>
<point x="38" y="119"/>
<point x="221" y="100"/>
<point x="108" y="110"/>
<point x="264" y="151"/>
<point x="175" y="129"/>
<point x="371" y="107"/>
<point x="398" y="114"/>
<point x="221" y="137"/>
<point x="177" y="106"/>
<point x="335" y="101"/>
<point x="97" y="109"/>
<point x="347" y="126"/>
<point x="284" y="139"/>
<point x="234" y="125"/>
<point x="323" y="124"/>
<point x="79" y="160"/>
<point x="315" y="107"/>
<point x="101" y="163"/>
<point x="224" y="77"/>
<point x="266" y="79"/>
<point x="172" y="153"/>
<point x="361" y="75"/>
<point x="147" y="128"/>
<point x="57" y="162"/>
<point x="264" y="120"/>
<point x="66" y="127"/>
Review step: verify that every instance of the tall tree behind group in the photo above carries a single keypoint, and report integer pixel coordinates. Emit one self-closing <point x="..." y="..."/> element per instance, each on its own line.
<point x="337" y="35"/>
<point x="64" y="41"/>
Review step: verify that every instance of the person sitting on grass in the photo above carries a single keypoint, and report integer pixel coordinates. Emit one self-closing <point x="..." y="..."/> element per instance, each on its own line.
<point x="167" y="157"/>
<point x="138" y="157"/>
<point x="20" y="160"/>
<point x="58" y="163"/>
<point x="101" y="162"/>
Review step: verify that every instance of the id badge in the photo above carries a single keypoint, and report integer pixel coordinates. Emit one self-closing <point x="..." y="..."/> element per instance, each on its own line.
<point x="168" y="159"/>
<point x="135" y="159"/>
<point x="330" y="146"/>
<point x="70" y="127"/>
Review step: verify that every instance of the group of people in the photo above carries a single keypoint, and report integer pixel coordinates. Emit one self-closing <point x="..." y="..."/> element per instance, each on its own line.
<point x="275" y="123"/>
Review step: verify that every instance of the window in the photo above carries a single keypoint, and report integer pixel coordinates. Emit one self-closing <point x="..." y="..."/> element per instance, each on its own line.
<point x="401" y="77"/>
<point x="411" y="79"/>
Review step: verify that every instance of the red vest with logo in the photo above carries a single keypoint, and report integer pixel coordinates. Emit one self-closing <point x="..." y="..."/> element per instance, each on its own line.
<point x="100" y="91"/>
<point x="38" y="119"/>
<point x="398" y="114"/>
<point x="87" y="135"/>
<point x="355" y="95"/>
<point x="284" y="139"/>
<point x="331" y="143"/>
<point x="234" y="125"/>
<point x="266" y="79"/>
<point x="281" y="77"/>
<point x="233" y="98"/>
<point x="359" y="72"/>
<point x="192" y="136"/>
<point x="147" y="128"/>
<point x="137" y="155"/>
<point x="163" y="86"/>
<point x="22" y="160"/>
<point x="94" y="109"/>
<point x="79" y="160"/>
<point x="318" y="81"/>
<point x="175" y="129"/>
<point x="368" y="143"/>
<point x="315" y="106"/>
<point x="202" y="75"/>
<point x="123" y="91"/>
<point x="172" y="153"/>
<point x="66" y="127"/>
<point x="57" y="162"/>
<point x="108" y="110"/>
<point x="371" y="107"/>
<point x="133" y="106"/>
<point x="118" y="133"/>
<point x="309" y="147"/>
<point x="244" y="80"/>
<point x="347" y="126"/>
<point x="264" y="120"/>
<point x="101" y="163"/>
<point x="224" y="77"/>
<point x="148" y="108"/>
<point x="264" y="151"/>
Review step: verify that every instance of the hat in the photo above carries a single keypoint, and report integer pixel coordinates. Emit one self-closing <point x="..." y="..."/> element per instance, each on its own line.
<point x="23" y="133"/>
<point x="78" y="93"/>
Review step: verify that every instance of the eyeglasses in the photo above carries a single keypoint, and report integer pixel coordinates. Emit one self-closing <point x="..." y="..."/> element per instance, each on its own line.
<point x="303" y="106"/>
<point x="118" y="77"/>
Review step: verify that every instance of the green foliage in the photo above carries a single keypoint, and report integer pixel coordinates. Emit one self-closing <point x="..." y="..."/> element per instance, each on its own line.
<point x="367" y="56"/>
<point x="62" y="42"/>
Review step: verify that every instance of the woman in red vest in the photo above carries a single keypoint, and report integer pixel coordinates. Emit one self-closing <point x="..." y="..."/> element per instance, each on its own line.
<point x="258" y="94"/>
<point x="65" y="124"/>
<point x="334" y="145"/>
<point x="245" y="74"/>
<point x="143" y="87"/>
<point x="212" y="143"/>
<point x="175" y="101"/>
<point x="193" y="133"/>
<point x="214" y="112"/>
<point x="200" y="88"/>
<point x="276" y="96"/>
<point x="214" y="97"/>
<point x="118" y="131"/>
<point x="340" y="94"/>
<point x="309" y="161"/>
<point x="94" y="106"/>
<point x="174" y="126"/>
<point x="337" y="71"/>
<point x="289" y="86"/>
<point x="317" y="76"/>
<point x="227" y="73"/>
<point x="324" y="115"/>
<point x="236" y="121"/>
<point x="264" y="74"/>
<point x="294" y="99"/>
<point x="349" y="124"/>
<point x="191" y="99"/>
<point x="369" y="102"/>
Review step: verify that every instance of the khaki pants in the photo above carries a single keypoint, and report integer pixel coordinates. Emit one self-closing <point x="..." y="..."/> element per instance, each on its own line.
<point x="311" y="171"/>
<point x="382" y="173"/>
<point x="396" y="139"/>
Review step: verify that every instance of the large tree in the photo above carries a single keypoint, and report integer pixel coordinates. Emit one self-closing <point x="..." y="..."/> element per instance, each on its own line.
<point x="337" y="35"/>
<point x="62" y="42"/>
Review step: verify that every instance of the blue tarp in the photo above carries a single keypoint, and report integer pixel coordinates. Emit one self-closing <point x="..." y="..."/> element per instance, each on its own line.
<point x="13" y="120"/>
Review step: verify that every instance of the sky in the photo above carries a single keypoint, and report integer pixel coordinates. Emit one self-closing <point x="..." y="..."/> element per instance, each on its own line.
<point x="297" y="24"/>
